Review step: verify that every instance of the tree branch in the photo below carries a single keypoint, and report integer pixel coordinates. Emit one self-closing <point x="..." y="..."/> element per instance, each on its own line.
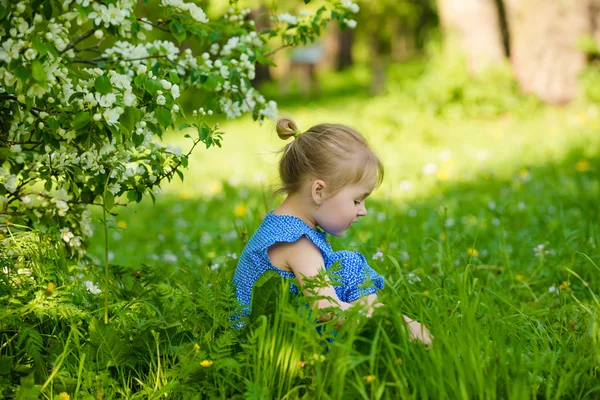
<point x="78" y="39"/>
<point x="154" y="25"/>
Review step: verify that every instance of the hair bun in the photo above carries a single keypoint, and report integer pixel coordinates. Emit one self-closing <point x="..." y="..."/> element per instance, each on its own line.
<point x="286" y="128"/>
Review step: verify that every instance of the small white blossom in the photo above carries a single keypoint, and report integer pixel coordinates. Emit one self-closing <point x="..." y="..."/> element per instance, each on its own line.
<point x="288" y="18"/>
<point x="161" y="100"/>
<point x="92" y="288"/>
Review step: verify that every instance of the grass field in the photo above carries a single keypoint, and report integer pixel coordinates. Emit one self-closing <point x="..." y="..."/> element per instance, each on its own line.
<point x="486" y="229"/>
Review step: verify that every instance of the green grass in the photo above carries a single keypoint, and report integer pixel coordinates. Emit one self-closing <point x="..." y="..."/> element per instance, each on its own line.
<point x="461" y="251"/>
<point x="496" y="250"/>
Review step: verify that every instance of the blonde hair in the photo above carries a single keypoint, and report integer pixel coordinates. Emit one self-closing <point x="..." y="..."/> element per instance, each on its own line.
<point x="335" y="153"/>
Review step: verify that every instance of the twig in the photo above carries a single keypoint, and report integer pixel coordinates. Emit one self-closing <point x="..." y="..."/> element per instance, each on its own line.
<point x="78" y="39"/>
<point x="154" y="25"/>
<point x="97" y="60"/>
<point x="14" y="98"/>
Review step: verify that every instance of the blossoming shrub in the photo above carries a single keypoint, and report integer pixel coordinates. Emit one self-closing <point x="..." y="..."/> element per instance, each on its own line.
<point x="85" y="98"/>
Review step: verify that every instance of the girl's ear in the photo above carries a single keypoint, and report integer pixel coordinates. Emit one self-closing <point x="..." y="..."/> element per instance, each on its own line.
<point x="317" y="188"/>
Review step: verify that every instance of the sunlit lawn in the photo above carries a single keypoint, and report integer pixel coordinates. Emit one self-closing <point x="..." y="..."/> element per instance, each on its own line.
<point x="485" y="227"/>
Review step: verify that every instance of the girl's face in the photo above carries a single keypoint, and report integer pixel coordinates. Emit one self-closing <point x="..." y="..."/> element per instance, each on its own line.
<point x="337" y="213"/>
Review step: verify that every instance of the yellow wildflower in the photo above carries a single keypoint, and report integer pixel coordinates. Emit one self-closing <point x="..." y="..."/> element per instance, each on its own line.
<point x="582" y="166"/>
<point x="50" y="287"/>
<point x="564" y="285"/>
<point x="398" y="361"/>
<point x="240" y="210"/>
<point x="211" y="254"/>
<point x="216" y="187"/>
<point x="206" y="363"/>
<point x="369" y="378"/>
<point x="405" y="265"/>
<point x="64" y="396"/>
<point x="196" y="346"/>
<point x="122" y="224"/>
<point x="472" y="252"/>
<point x="443" y="175"/>
<point x="426" y="293"/>
<point x="519" y="277"/>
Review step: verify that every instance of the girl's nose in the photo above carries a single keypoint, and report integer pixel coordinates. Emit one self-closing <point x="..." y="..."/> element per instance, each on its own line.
<point x="363" y="211"/>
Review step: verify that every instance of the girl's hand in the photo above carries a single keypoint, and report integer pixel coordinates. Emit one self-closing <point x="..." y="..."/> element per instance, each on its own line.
<point x="419" y="332"/>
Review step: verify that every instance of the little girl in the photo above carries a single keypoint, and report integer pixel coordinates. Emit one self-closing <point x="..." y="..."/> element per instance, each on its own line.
<point x="327" y="173"/>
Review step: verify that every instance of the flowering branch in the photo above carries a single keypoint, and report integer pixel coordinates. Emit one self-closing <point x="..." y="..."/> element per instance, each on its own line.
<point x="78" y="39"/>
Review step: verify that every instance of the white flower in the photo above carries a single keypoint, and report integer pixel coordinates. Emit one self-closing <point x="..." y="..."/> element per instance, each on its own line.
<point x="106" y="101"/>
<point x="114" y="188"/>
<point x="349" y="5"/>
<point x="161" y="100"/>
<point x="175" y="108"/>
<point x="170" y="257"/>
<point x="350" y="22"/>
<point x="66" y="235"/>
<point x="12" y="183"/>
<point x="553" y="289"/>
<point x="175" y="91"/>
<point x="197" y="13"/>
<point x="165" y="84"/>
<point x="112" y="116"/>
<point x="30" y="54"/>
<point x="288" y="18"/>
<point x="93" y="289"/>
<point x="429" y="169"/>
<point x="98" y="34"/>
<point x="378" y="255"/>
<point x="141" y="69"/>
<point x="129" y="99"/>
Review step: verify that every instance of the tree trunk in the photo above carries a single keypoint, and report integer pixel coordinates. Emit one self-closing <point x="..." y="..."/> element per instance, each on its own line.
<point x="543" y="42"/>
<point x="377" y="66"/>
<point x="473" y="25"/>
<point x="345" y="43"/>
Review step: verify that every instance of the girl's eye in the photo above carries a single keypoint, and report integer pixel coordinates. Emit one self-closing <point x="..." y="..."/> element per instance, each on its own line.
<point x="357" y="202"/>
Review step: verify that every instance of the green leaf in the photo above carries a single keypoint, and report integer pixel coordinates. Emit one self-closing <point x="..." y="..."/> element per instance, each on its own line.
<point x="109" y="200"/>
<point x="81" y="120"/>
<point x="132" y="195"/>
<point x="39" y="46"/>
<point x="178" y="30"/>
<point x="2" y="12"/>
<point x="183" y="126"/>
<point x="5" y="365"/>
<point x="174" y="77"/>
<point x="76" y="95"/>
<point x="37" y="71"/>
<point x="204" y="132"/>
<point x="180" y="174"/>
<point x="211" y="83"/>
<point x="306" y="1"/>
<point x="266" y="293"/>
<point x="48" y="185"/>
<point x="47" y="9"/>
<point x="152" y="86"/>
<point x="110" y="348"/>
<point x="102" y="84"/>
<point x="163" y="115"/>
<point x="137" y="139"/>
<point x="22" y="72"/>
<point x="128" y="118"/>
<point x="140" y="80"/>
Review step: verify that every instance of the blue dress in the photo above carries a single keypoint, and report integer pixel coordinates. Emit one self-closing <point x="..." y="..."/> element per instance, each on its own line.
<point x="357" y="278"/>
